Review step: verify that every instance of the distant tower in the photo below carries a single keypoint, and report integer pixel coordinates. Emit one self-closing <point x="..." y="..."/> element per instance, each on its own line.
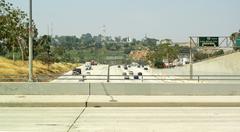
<point x="51" y="29"/>
<point x="104" y="30"/>
<point x="145" y="37"/>
<point x="48" y="27"/>
<point x="104" y="34"/>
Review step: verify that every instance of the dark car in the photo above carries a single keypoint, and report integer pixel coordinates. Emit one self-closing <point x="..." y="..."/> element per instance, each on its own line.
<point x="145" y="68"/>
<point x="125" y="67"/>
<point x="140" y="74"/>
<point x="139" y="66"/>
<point x="126" y="77"/>
<point x="136" y="77"/>
<point x="119" y="66"/>
<point x="77" y="71"/>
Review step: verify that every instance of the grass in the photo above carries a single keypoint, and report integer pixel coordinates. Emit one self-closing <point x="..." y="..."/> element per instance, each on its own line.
<point x="10" y="69"/>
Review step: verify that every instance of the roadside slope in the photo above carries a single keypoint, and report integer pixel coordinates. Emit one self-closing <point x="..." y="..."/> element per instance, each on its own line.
<point x="224" y="65"/>
<point x="9" y="67"/>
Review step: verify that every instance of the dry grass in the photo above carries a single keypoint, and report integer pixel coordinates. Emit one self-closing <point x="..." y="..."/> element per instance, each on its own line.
<point x="9" y="67"/>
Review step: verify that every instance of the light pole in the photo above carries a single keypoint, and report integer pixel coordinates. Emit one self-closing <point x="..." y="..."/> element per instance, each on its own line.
<point x="30" y="57"/>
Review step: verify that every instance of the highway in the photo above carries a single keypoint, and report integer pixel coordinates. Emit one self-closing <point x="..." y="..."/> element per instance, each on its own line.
<point x="147" y="119"/>
<point x="102" y="70"/>
<point x="98" y="74"/>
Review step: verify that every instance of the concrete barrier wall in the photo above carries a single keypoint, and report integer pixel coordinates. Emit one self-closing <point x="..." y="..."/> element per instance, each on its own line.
<point x="224" y="65"/>
<point x="165" y="89"/>
<point x="43" y="89"/>
<point x="118" y="89"/>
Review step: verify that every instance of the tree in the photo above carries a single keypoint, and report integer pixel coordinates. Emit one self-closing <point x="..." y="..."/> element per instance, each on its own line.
<point x="159" y="63"/>
<point x="151" y="43"/>
<point x="200" y="56"/>
<point x="87" y="40"/>
<point x="14" y="29"/>
<point x="42" y="50"/>
<point x="233" y="38"/>
<point x="164" y="51"/>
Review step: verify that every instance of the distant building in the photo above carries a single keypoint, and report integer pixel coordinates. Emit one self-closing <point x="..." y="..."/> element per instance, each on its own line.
<point x="166" y="41"/>
<point x="183" y="44"/>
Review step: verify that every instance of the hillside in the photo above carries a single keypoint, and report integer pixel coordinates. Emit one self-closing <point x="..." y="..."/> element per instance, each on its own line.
<point x="9" y="67"/>
<point x="138" y="54"/>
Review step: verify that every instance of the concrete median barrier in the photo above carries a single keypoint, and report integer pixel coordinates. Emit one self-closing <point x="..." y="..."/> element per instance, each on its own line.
<point x="44" y="89"/>
<point x="119" y="89"/>
<point x="165" y="89"/>
<point x="117" y="101"/>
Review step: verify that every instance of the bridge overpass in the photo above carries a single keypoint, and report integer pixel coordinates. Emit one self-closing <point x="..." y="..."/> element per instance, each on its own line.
<point x="120" y="107"/>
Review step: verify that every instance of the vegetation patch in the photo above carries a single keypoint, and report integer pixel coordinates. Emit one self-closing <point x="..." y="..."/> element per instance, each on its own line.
<point x="18" y="70"/>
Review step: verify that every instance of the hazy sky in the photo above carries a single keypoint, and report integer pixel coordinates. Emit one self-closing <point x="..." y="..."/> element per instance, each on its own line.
<point x="175" y="19"/>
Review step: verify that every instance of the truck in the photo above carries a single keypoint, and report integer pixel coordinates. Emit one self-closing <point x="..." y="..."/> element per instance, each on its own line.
<point x="88" y="66"/>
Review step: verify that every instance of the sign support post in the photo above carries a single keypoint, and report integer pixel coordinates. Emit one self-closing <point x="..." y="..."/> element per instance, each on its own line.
<point x="190" y="59"/>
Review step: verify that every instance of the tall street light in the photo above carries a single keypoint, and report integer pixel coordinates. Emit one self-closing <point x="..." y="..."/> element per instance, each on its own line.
<point x="30" y="57"/>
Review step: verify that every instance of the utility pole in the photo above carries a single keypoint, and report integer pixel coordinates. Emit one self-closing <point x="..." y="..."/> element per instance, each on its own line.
<point x="30" y="57"/>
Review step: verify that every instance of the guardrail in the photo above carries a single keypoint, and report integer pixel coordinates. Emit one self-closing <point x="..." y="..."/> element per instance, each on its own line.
<point x="142" y="78"/>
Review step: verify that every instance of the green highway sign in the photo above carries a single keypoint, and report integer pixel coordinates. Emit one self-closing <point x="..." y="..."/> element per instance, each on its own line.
<point x="208" y="41"/>
<point x="238" y="42"/>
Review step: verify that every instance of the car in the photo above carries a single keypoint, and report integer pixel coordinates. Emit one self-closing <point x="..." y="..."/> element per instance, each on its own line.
<point x="136" y="77"/>
<point x="129" y="66"/>
<point x="124" y="74"/>
<point x="76" y="71"/>
<point x="89" y="68"/>
<point x="139" y="66"/>
<point x="119" y="66"/>
<point x="88" y="73"/>
<point x="145" y="68"/>
<point x="126" y="77"/>
<point x="125" y="67"/>
<point x="131" y="73"/>
<point x="140" y="74"/>
<point x="93" y="62"/>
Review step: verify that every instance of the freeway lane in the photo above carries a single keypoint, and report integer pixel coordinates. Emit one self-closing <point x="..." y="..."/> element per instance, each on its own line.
<point x="123" y="119"/>
<point x="156" y="76"/>
<point x="103" y="70"/>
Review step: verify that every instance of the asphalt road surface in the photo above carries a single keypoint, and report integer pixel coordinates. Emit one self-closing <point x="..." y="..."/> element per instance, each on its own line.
<point x="98" y="74"/>
<point x="120" y="119"/>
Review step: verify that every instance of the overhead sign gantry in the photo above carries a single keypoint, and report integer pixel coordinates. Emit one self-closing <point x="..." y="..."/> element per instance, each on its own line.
<point x="209" y="42"/>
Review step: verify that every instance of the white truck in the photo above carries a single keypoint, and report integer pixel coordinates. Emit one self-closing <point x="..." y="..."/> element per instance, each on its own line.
<point x="88" y="66"/>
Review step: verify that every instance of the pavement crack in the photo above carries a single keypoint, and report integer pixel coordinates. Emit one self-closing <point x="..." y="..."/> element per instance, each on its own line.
<point x="80" y="114"/>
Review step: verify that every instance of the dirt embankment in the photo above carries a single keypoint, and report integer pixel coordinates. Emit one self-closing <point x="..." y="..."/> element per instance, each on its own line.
<point x="10" y="70"/>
